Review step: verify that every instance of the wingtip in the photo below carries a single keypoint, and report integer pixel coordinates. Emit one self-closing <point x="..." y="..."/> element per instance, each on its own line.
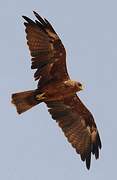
<point x="35" y="13"/>
<point x="23" y="16"/>
<point x="88" y="168"/>
<point x="41" y="20"/>
<point x="88" y="161"/>
<point x="26" y="18"/>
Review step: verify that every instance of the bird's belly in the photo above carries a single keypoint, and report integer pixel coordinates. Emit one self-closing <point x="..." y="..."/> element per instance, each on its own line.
<point x="58" y="93"/>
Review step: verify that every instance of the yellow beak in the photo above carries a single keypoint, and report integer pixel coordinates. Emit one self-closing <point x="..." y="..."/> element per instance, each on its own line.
<point x="82" y="87"/>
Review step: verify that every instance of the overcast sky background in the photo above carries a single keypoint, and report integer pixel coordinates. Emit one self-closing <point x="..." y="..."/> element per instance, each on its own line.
<point x="32" y="147"/>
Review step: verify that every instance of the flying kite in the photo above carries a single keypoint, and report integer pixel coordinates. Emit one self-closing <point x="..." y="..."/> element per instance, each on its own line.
<point x="57" y="90"/>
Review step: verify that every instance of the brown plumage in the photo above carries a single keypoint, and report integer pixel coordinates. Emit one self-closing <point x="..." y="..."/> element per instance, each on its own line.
<point x="57" y="90"/>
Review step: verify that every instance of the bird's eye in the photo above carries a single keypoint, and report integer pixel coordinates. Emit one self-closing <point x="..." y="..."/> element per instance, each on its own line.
<point x="79" y="84"/>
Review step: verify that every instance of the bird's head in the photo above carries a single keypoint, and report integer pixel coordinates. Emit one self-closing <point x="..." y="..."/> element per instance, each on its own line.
<point x="79" y="86"/>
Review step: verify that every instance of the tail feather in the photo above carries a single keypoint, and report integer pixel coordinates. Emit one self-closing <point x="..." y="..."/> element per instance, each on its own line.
<point x="24" y="100"/>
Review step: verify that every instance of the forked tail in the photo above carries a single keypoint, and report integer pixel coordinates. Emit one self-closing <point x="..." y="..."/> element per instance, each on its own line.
<point x="24" y="100"/>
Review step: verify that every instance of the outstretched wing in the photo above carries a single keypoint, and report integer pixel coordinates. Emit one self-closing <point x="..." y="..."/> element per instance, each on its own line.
<point x="47" y="51"/>
<point x="78" y="126"/>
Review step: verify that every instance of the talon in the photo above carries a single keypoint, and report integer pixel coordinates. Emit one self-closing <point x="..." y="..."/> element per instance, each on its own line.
<point x="40" y="96"/>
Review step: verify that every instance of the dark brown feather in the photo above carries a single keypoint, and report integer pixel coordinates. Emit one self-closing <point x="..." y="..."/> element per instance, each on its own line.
<point x="78" y="126"/>
<point x="24" y="100"/>
<point x="40" y="19"/>
<point x="45" y="45"/>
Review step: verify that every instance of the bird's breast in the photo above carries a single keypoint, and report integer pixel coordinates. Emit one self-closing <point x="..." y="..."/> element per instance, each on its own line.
<point x="58" y="91"/>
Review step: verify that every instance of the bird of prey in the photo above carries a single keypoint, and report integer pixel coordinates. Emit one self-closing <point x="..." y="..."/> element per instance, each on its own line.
<point x="57" y="90"/>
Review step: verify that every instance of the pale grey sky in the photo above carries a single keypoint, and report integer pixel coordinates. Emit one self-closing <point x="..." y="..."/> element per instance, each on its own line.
<point x="32" y="146"/>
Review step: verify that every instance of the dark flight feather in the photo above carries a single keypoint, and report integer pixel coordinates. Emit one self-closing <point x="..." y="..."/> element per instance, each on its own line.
<point x="43" y="41"/>
<point x="77" y="127"/>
